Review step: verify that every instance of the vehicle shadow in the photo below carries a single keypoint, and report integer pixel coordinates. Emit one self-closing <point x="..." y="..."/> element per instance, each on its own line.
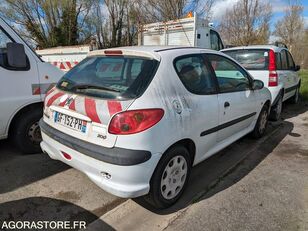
<point x="18" y="170"/>
<point x="292" y="110"/>
<point x="239" y="159"/>
<point x="35" y="209"/>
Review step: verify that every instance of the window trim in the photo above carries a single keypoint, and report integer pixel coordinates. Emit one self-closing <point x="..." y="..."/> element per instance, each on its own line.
<point x="27" y="68"/>
<point x="250" y="79"/>
<point x="283" y="69"/>
<point x="288" y="53"/>
<point x="205" y="63"/>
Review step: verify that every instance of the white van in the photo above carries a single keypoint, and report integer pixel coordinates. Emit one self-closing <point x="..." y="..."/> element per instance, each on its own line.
<point x="275" y="67"/>
<point x="25" y="79"/>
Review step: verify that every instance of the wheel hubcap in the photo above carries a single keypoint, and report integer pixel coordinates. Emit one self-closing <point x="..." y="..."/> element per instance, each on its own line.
<point x="34" y="133"/>
<point x="173" y="178"/>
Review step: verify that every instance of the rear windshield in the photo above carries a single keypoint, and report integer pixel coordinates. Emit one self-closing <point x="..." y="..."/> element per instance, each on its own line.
<point x="119" y="77"/>
<point x="250" y="59"/>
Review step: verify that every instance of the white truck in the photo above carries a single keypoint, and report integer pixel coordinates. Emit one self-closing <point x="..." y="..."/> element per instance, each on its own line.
<point x="25" y="79"/>
<point x="189" y="31"/>
<point x="65" y="57"/>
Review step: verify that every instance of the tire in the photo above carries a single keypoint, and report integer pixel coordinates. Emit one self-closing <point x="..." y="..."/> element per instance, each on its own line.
<point x="261" y="124"/>
<point x="295" y="97"/>
<point x="276" y="110"/>
<point x="166" y="187"/>
<point x="26" y="133"/>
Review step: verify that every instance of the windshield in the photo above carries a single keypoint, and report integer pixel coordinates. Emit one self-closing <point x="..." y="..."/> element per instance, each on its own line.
<point x="250" y="59"/>
<point x="118" y="77"/>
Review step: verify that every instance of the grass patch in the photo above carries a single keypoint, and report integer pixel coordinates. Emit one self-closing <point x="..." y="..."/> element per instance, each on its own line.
<point x="304" y="83"/>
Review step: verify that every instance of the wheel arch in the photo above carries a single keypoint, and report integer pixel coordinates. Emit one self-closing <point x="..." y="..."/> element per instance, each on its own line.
<point x="18" y="114"/>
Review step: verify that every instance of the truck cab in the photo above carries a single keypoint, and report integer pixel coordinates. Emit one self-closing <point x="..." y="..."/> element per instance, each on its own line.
<point x="25" y="79"/>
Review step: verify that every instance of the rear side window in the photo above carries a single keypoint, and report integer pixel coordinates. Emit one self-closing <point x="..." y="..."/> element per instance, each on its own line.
<point x="291" y="64"/>
<point x="278" y="61"/>
<point x="284" y="60"/>
<point x="251" y="59"/>
<point x="195" y="74"/>
<point x="230" y="76"/>
<point x="117" y="77"/>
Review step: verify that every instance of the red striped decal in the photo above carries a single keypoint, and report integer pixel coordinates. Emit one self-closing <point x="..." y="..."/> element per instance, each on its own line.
<point x="50" y="91"/>
<point x="72" y="106"/>
<point x="90" y="107"/>
<point x="114" y="107"/>
<point x="62" y="104"/>
<point x="62" y="66"/>
<point x="37" y="91"/>
<point x="75" y="63"/>
<point x="53" y="98"/>
<point x="69" y="65"/>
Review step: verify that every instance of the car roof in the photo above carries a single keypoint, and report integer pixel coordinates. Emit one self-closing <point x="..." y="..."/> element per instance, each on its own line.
<point x="150" y="51"/>
<point x="272" y="47"/>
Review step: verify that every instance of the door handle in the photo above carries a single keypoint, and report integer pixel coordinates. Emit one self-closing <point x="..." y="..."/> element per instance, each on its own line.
<point x="227" y="104"/>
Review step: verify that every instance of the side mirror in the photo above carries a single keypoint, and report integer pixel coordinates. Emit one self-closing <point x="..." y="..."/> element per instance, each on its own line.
<point x="257" y="84"/>
<point x="297" y="68"/>
<point x="16" y="56"/>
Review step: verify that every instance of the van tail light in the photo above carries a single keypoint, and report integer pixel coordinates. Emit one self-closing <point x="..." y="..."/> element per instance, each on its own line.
<point x="273" y="75"/>
<point x="134" y="121"/>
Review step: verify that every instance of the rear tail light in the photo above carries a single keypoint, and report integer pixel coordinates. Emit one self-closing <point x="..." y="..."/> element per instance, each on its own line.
<point x="273" y="75"/>
<point x="131" y="122"/>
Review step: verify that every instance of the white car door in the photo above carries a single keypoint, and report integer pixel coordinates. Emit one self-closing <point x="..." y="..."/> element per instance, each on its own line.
<point x="236" y="100"/>
<point x="16" y="85"/>
<point x="200" y="104"/>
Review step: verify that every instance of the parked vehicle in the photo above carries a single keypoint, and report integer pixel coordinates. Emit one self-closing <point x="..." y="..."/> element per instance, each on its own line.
<point x="25" y="79"/>
<point x="275" y="67"/>
<point x="189" y="31"/>
<point x="65" y="58"/>
<point x="136" y="119"/>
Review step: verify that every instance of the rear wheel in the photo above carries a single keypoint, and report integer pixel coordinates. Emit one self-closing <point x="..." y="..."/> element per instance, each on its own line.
<point x="295" y="97"/>
<point x="261" y="124"/>
<point x="170" y="177"/>
<point x="26" y="132"/>
<point x="276" y="110"/>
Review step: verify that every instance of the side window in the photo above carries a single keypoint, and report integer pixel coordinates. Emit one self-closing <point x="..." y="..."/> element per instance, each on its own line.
<point x="291" y="64"/>
<point x="284" y="61"/>
<point x="4" y="39"/>
<point x="216" y="43"/>
<point x="230" y="76"/>
<point x="195" y="75"/>
<point x="278" y="61"/>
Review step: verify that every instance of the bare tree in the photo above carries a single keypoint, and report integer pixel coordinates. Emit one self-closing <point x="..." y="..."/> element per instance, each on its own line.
<point x="49" y="22"/>
<point x="290" y="29"/>
<point x="246" y="23"/>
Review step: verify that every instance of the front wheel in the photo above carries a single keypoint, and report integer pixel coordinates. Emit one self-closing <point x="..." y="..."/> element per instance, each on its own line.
<point x="170" y="177"/>
<point x="26" y="133"/>
<point x="261" y="124"/>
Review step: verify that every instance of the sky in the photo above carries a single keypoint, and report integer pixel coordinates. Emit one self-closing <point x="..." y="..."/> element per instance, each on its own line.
<point x="278" y="7"/>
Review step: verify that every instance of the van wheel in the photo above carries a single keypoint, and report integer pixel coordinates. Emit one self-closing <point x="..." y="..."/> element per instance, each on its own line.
<point x="26" y="133"/>
<point x="276" y="110"/>
<point x="170" y="177"/>
<point x="261" y="124"/>
<point x="295" y="97"/>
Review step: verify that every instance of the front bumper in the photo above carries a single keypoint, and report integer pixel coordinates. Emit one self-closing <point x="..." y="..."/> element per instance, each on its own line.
<point x="125" y="181"/>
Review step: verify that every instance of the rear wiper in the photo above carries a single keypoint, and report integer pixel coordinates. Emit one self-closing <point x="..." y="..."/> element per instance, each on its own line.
<point x="88" y="86"/>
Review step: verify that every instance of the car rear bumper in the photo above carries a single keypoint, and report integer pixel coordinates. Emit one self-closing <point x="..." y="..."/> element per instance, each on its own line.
<point x="118" y="156"/>
<point x="123" y="181"/>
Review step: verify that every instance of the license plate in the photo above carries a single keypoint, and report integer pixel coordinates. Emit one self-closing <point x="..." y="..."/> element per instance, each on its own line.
<point x="70" y="122"/>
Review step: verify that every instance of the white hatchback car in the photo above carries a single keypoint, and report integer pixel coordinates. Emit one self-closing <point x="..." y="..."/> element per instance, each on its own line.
<point x="136" y="119"/>
<point x="275" y="67"/>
